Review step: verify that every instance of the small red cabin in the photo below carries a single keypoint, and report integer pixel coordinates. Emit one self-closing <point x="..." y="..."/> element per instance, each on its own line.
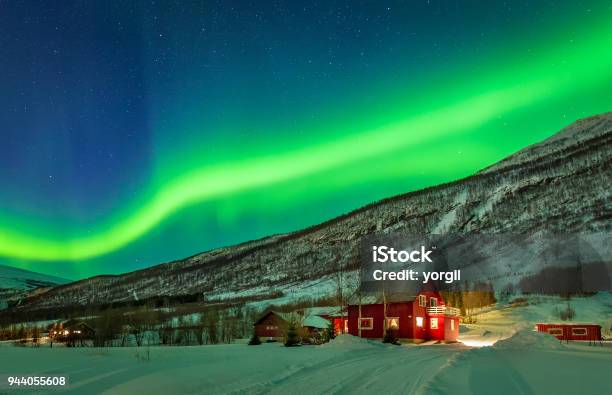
<point x="422" y="319"/>
<point x="272" y="326"/>
<point x="574" y="332"/>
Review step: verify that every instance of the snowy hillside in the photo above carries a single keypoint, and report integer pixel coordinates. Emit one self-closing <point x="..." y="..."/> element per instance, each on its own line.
<point x="559" y="185"/>
<point x="16" y="283"/>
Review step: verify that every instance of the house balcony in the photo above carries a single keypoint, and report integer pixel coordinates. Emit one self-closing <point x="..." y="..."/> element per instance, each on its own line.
<point x="444" y="310"/>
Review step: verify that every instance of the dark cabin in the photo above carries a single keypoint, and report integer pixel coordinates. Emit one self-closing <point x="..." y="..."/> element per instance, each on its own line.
<point x="272" y="326"/>
<point x="72" y="332"/>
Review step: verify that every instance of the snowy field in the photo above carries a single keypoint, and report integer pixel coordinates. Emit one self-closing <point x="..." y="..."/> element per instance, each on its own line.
<point x="515" y="360"/>
<point x="530" y="363"/>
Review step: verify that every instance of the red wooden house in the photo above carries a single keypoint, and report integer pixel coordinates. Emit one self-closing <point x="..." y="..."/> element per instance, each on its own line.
<point x="426" y="317"/>
<point x="272" y="326"/>
<point x="574" y="332"/>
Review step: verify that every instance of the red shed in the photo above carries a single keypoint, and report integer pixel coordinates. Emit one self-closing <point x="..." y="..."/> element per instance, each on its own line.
<point x="574" y="332"/>
<point x="272" y="325"/>
<point x="422" y="318"/>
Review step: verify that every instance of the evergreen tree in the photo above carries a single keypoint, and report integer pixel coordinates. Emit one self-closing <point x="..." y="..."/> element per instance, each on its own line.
<point x="35" y="336"/>
<point x="254" y="340"/>
<point x="292" y="336"/>
<point x="330" y="332"/>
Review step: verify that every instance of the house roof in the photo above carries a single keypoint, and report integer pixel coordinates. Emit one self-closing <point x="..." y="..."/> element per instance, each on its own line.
<point x="284" y="316"/>
<point x="315" y="321"/>
<point x="332" y="311"/>
<point x="377" y="297"/>
<point x="566" y="323"/>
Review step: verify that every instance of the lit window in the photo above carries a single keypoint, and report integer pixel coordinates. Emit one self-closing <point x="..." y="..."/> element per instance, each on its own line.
<point x="419" y="321"/>
<point x="452" y="325"/>
<point x="345" y="326"/>
<point x="433" y="302"/>
<point x="555" y="331"/>
<point x="579" y="331"/>
<point x="392" y="322"/>
<point x="422" y="300"/>
<point x="366" y="323"/>
<point x="434" y="323"/>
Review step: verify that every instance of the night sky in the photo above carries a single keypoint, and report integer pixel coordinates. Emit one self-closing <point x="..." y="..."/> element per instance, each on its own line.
<point x="135" y="133"/>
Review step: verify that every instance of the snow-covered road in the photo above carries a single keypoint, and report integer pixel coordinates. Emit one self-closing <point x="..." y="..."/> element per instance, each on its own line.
<point x="348" y="365"/>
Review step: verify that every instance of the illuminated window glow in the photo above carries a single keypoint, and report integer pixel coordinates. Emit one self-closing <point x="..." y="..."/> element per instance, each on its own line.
<point x="419" y="322"/>
<point x="434" y="323"/>
<point x="392" y="322"/>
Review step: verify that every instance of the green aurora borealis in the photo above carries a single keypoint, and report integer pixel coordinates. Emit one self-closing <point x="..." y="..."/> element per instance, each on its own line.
<point x="210" y="190"/>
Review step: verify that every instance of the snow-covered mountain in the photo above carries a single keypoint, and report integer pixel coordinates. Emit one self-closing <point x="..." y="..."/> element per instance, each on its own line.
<point x="559" y="185"/>
<point x="16" y="283"/>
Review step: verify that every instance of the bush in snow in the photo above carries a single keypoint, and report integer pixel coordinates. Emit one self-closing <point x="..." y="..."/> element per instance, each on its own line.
<point x="566" y="314"/>
<point x="329" y="333"/>
<point x="389" y="338"/>
<point x="254" y="340"/>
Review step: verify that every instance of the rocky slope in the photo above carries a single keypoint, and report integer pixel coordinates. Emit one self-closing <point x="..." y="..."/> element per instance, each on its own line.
<point x="559" y="185"/>
<point x="16" y="284"/>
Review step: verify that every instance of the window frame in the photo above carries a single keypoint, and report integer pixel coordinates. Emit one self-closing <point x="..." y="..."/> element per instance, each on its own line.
<point x="422" y="300"/>
<point x="369" y="319"/>
<point x="452" y="324"/>
<point x="433" y="302"/>
<point x="419" y="321"/>
<point x="579" y="329"/>
<point x="431" y="323"/>
<point x="558" y="330"/>
<point x="392" y="318"/>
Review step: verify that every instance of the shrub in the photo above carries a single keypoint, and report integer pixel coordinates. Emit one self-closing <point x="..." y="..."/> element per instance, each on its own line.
<point x="390" y="338"/>
<point x="254" y="340"/>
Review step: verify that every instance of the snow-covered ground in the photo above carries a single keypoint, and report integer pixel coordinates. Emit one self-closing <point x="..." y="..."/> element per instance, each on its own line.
<point x="531" y="364"/>
<point x="522" y="362"/>
<point x="503" y="320"/>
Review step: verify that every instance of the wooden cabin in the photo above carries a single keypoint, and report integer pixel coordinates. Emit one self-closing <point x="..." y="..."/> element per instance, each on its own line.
<point x="272" y="325"/>
<point x="572" y="332"/>
<point x="72" y="332"/>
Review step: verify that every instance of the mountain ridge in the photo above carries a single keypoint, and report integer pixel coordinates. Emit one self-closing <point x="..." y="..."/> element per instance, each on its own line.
<point x="16" y="283"/>
<point x="545" y="177"/>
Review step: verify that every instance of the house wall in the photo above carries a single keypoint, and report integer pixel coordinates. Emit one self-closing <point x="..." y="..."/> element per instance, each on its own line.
<point x="271" y="320"/>
<point x="404" y="312"/>
<point x="339" y="324"/>
<point x="376" y="311"/>
<point x="451" y="334"/>
<point x="424" y="332"/>
<point x="593" y="332"/>
<point x="438" y="332"/>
